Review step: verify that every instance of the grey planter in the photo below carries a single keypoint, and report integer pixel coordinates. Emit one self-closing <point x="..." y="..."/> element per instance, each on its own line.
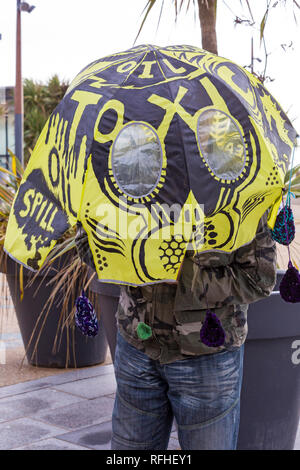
<point x="74" y="349"/>
<point x="108" y="299"/>
<point x="270" y="399"/>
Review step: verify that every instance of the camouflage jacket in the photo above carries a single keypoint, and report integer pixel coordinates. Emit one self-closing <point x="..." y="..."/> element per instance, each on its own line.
<point x="223" y="282"/>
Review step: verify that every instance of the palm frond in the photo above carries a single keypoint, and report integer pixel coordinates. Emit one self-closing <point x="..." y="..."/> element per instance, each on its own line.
<point x="291" y="173"/>
<point x="160" y="14"/>
<point x="8" y="172"/>
<point x="17" y="168"/>
<point x="5" y="195"/>
<point x="148" y="8"/>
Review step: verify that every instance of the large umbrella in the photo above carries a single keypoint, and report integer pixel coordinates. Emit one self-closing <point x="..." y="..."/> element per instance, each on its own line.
<point x="153" y="150"/>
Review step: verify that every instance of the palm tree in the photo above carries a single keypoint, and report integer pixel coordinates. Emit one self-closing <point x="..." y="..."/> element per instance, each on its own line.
<point x="207" y="16"/>
<point x="207" y="12"/>
<point x="39" y="102"/>
<point x="54" y="93"/>
<point x="3" y="110"/>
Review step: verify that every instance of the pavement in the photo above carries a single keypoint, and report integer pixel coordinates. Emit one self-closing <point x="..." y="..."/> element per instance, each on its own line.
<point x="68" y="411"/>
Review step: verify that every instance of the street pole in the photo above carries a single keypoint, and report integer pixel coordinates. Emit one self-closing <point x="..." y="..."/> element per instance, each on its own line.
<point x="6" y="141"/>
<point x="19" y="100"/>
<point x="19" y="92"/>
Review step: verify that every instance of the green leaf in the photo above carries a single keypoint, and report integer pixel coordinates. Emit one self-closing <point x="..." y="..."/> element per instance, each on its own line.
<point x="160" y="14"/>
<point x="5" y="195"/>
<point x="295" y="180"/>
<point x="62" y="248"/>
<point x="295" y="187"/>
<point x="263" y="24"/>
<point x="4" y="170"/>
<point x="293" y="170"/>
<point x="149" y="6"/>
<point x="17" y="163"/>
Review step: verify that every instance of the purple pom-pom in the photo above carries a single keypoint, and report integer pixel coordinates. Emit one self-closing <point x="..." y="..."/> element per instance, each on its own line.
<point x="212" y="333"/>
<point x="85" y="316"/>
<point x="290" y="285"/>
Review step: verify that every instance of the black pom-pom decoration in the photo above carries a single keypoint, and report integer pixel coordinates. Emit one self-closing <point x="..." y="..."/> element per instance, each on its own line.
<point x="290" y="285"/>
<point x="212" y="333"/>
<point x="85" y="316"/>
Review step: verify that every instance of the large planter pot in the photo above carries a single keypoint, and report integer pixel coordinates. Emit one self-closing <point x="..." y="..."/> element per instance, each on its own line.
<point x="108" y="296"/>
<point x="270" y="398"/>
<point x="73" y="348"/>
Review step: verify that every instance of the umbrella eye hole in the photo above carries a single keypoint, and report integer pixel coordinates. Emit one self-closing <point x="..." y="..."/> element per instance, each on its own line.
<point x="136" y="159"/>
<point x="221" y="144"/>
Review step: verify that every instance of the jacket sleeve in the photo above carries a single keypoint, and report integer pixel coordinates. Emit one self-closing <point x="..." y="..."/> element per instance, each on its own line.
<point x="213" y="279"/>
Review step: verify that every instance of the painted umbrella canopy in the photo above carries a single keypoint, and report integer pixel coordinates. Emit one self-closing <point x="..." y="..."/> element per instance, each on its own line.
<point x="151" y="151"/>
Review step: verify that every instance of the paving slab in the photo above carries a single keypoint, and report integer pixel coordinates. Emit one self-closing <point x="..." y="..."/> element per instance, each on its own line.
<point x="93" y="387"/>
<point x="32" y="402"/>
<point x="52" y="444"/>
<point x="25" y="431"/>
<point x="78" y="374"/>
<point x="99" y="437"/>
<point x="58" y="379"/>
<point x="11" y="390"/>
<point x="94" y="437"/>
<point x="82" y="414"/>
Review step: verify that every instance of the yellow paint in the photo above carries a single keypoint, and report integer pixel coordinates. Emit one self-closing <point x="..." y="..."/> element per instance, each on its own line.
<point x="147" y="64"/>
<point x="143" y="244"/>
<point x="119" y="108"/>
<point x="172" y="68"/>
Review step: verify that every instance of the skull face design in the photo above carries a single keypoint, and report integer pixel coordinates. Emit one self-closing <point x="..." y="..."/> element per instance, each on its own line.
<point x="159" y="150"/>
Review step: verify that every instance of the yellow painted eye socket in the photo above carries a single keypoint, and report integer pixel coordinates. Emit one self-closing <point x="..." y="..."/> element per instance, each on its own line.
<point x="137" y="159"/>
<point x="221" y="144"/>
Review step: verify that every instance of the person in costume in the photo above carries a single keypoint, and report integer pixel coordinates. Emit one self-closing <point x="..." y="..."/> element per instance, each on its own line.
<point x="164" y="370"/>
<point x="138" y="134"/>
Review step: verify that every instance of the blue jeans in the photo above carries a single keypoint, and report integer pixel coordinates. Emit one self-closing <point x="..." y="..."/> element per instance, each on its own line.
<point x="202" y="393"/>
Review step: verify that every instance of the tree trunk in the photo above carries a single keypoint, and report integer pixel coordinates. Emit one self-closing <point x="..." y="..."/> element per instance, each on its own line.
<point x="207" y="16"/>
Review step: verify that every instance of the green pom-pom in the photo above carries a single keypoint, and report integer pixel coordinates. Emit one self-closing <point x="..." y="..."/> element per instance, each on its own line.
<point x="144" y="331"/>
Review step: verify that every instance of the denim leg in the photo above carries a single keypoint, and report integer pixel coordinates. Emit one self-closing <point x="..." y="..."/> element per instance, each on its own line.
<point x="142" y="416"/>
<point x="205" y="397"/>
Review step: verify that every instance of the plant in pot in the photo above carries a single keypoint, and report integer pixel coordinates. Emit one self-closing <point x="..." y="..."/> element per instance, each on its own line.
<point x="45" y="301"/>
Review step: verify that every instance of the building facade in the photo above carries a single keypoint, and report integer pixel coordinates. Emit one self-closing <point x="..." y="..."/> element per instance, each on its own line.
<point x="7" y="130"/>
